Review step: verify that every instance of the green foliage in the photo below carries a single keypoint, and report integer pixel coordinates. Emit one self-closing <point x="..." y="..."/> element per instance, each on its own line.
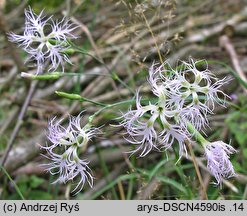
<point x="237" y="122"/>
<point x="45" y="4"/>
<point x="30" y="187"/>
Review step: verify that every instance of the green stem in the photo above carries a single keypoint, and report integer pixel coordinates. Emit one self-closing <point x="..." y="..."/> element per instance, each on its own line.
<point x="13" y="182"/>
<point x="131" y="181"/>
<point x="78" y="97"/>
<point x="75" y="48"/>
<point x="56" y="75"/>
<point x="196" y="134"/>
<point x="91" y="118"/>
<point x="113" y="74"/>
<point x="116" y="77"/>
<point x="50" y="76"/>
<point x="93" y="102"/>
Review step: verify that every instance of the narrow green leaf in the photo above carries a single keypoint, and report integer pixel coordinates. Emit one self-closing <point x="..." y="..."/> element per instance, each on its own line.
<point x="13" y="182"/>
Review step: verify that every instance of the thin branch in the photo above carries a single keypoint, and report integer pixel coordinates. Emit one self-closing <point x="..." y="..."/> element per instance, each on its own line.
<point x="197" y="170"/>
<point x="146" y="192"/>
<point x="19" y="121"/>
<point x="226" y="43"/>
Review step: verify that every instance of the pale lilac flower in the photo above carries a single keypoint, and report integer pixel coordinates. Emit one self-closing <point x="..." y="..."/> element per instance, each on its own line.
<point x="80" y="170"/>
<point x="217" y="155"/>
<point x="184" y="95"/>
<point x="140" y="129"/>
<point x="66" y="143"/>
<point x="156" y="81"/>
<point x="142" y="126"/>
<point x="160" y="79"/>
<point x="196" y="91"/>
<point x="45" y="39"/>
<point x="194" y="116"/>
<point x="83" y="134"/>
<point x="174" y="133"/>
<point x="58" y="134"/>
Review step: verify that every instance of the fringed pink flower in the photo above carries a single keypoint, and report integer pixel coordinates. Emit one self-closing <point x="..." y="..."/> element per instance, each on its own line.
<point x="45" y="39"/>
<point x="66" y="142"/>
<point x="218" y="160"/>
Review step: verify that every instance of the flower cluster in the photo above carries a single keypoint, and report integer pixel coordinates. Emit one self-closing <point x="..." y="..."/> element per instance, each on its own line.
<point x="45" y="39"/>
<point x="64" y="148"/>
<point x="185" y="95"/>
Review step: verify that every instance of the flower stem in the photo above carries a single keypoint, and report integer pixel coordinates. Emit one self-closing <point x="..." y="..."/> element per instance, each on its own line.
<point x="196" y="134"/>
<point x="13" y="182"/>
<point x="78" y="97"/>
<point x="91" y="118"/>
<point x="50" y="76"/>
<point x="113" y="74"/>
